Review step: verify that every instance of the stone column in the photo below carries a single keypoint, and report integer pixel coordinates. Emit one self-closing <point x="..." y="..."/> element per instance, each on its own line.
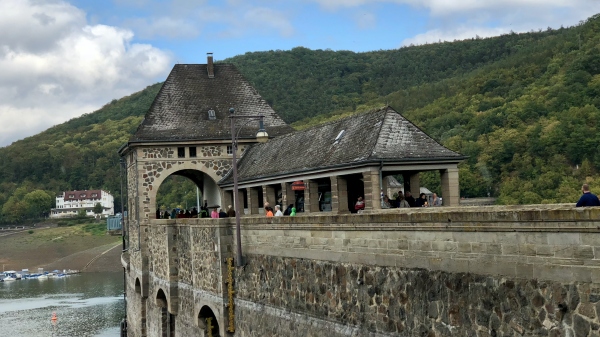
<point x="226" y="199"/>
<point x="450" y="188"/>
<point x="287" y="194"/>
<point x="372" y="190"/>
<point x="412" y="183"/>
<point x="252" y="200"/>
<point x="339" y="195"/>
<point x="415" y="185"/>
<point x="269" y="195"/>
<point x="311" y="196"/>
<point x="386" y="186"/>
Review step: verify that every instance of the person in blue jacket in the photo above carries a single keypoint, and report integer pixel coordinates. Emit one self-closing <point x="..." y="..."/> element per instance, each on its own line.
<point x="588" y="198"/>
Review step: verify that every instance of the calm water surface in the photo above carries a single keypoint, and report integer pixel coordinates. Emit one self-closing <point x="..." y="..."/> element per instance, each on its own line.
<point x="88" y="304"/>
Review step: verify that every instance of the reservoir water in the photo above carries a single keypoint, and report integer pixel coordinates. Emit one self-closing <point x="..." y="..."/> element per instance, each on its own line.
<point x="88" y="304"/>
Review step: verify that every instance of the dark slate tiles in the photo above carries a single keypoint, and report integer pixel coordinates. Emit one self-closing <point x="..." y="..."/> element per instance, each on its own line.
<point x="180" y="110"/>
<point x="381" y="134"/>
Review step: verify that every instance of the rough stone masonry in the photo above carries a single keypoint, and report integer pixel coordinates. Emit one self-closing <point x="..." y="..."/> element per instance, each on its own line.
<point x="486" y="271"/>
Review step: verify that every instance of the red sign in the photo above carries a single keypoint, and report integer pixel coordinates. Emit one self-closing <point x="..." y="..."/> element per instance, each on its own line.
<point x="298" y="185"/>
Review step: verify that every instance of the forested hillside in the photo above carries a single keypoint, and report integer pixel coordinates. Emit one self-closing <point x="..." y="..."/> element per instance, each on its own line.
<point x="523" y="107"/>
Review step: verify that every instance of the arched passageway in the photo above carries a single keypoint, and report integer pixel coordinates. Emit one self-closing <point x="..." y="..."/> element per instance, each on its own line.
<point x="185" y="190"/>
<point x="208" y="321"/>
<point x="138" y="292"/>
<point x="167" y="320"/>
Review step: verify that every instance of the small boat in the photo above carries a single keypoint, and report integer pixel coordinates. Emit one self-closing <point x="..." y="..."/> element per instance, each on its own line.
<point x="10" y="278"/>
<point x="42" y="277"/>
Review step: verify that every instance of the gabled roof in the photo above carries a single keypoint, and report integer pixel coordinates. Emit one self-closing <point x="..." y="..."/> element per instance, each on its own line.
<point x="180" y="110"/>
<point x="82" y="195"/>
<point x="378" y="135"/>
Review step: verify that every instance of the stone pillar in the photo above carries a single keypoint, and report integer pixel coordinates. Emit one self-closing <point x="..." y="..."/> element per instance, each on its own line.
<point x="143" y="315"/>
<point x="339" y="195"/>
<point x="311" y="196"/>
<point x="450" y="188"/>
<point x="386" y="186"/>
<point x="269" y="195"/>
<point x="252" y="200"/>
<point x="226" y="199"/>
<point x="372" y="190"/>
<point x="415" y="185"/>
<point x="287" y="194"/>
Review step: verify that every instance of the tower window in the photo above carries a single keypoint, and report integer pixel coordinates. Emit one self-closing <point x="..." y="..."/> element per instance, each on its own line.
<point x="211" y="114"/>
<point x="192" y="152"/>
<point x="181" y="152"/>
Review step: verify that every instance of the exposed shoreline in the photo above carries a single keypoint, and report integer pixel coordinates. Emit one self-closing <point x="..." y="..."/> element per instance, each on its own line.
<point x="50" y="248"/>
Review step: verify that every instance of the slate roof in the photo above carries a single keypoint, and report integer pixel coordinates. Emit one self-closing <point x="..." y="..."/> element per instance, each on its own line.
<point x="180" y="110"/>
<point x="378" y="135"/>
<point x="82" y="195"/>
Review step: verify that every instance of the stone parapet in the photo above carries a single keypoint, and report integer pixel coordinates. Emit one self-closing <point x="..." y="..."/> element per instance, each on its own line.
<point x="555" y="243"/>
<point x="502" y="270"/>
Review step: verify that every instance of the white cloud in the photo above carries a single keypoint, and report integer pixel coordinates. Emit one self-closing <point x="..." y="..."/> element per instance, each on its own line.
<point x="457" y="33"/>
<point x="460" y="19"/>
<point x="365" y="20"/>
<point x="166" y="26"/>
<point x="446" y="7"/>
<point x="243" y="20"/>
<point x="266" y="18"/>
<point x="55" y="66"/>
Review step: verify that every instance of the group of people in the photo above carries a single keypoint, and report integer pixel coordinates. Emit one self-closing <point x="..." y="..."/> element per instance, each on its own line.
<point x="194" y="213"/>
<point x="401" y="200"/>
<point x="269" y="211"/>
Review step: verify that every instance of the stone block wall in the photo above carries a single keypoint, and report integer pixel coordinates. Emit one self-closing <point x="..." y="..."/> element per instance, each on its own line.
<point x="486" y="271"/>
<point x="393" y="301"/>
<point x="158" y="252"/>
<point x="496" y="271"/>
<point x="550" y="244"/>
<point x="185" y="262"/>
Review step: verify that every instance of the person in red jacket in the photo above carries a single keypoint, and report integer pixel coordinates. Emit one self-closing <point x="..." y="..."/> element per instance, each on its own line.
<point x="360" y="204"/>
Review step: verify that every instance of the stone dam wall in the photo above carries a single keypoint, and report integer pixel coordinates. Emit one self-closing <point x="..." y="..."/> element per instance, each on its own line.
<point x="485" y="271"/>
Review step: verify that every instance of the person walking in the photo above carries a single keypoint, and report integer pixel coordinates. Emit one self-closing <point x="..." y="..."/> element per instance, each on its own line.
<point x="588" y="198"/>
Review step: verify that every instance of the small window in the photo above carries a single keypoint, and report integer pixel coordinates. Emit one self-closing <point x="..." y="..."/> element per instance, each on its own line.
<point x="229" y="149"/>
<point x="94" y="195"/>
<point x="71" y="196"/>
<point x="82" y="196"/>
<point x="192" y="152"/>
<point x="211" y="114"/>
<point x="181" y="152"/>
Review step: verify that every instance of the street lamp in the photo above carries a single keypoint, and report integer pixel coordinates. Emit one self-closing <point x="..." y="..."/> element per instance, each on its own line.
<point x="261" y="136"/>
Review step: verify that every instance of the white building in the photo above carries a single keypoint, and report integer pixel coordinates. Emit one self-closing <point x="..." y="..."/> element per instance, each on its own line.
<point x="70" y="203"/>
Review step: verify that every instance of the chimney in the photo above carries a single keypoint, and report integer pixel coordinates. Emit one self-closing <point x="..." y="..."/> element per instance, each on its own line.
<point x="209" y="65"/>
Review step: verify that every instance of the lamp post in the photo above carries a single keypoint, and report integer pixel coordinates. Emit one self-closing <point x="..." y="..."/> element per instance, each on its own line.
<point x="261" y="136"/>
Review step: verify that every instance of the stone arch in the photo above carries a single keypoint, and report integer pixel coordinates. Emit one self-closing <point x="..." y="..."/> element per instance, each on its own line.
<point x="167" y="320"/>
<point x="161" y="299"/>
<point x="138" y="286"/>
<point x="155" y="174"/>
<point x="138" y="291"/>
<point x="204" y="315"/>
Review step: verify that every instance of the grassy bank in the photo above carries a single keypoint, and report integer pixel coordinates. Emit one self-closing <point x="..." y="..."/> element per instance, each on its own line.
<point x="44" y="245"/>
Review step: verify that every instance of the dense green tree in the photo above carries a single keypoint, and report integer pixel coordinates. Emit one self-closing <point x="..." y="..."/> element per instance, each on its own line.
<point x="524" y="108"/>
<point x="98" y="208"/>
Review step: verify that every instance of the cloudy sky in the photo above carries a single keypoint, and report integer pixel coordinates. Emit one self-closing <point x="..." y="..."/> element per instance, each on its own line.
<point x="63" y="58"/>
